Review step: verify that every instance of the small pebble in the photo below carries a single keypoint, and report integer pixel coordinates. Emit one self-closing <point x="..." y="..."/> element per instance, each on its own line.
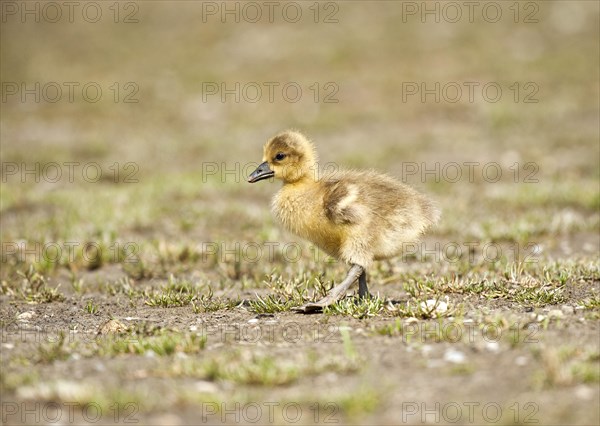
<point x="25" y="316"/>
<point x="584" y="392"/>
<point x="203" y="386"/>
<point x="521" y="361"/>
<point x="454" y="356"/>
<point x="438" y="307"/>
<point x="99" y="367"/>
<point x="112" y="326"/>
<point x="492" y="346"/>
<point x="426" y="350"/>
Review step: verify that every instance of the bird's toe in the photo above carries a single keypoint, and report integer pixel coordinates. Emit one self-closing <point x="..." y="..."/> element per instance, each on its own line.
<point x="309" y="308"/>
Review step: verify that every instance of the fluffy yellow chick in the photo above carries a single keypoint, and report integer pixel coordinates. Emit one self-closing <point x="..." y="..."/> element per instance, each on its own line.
<point x="354" y="216"/>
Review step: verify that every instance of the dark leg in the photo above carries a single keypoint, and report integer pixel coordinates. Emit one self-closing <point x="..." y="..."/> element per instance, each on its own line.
<point x="336" y="293"/>
<point x="363" y="290"/>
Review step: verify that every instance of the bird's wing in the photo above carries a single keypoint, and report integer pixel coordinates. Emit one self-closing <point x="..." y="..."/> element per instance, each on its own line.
<point x="340" y="202"/>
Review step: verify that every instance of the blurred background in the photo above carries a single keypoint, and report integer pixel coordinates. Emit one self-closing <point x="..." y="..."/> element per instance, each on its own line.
<point x="159" y="110"/>
<point x="363" y="69"/>
<point x="357" y="68"/>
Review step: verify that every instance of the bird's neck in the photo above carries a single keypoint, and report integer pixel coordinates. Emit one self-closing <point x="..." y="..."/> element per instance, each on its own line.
<point x="305" y="181"/>
<point x="309" y="176"/>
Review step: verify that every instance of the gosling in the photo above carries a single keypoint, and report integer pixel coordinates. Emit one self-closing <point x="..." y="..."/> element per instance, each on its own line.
<point x="355" y="216"/>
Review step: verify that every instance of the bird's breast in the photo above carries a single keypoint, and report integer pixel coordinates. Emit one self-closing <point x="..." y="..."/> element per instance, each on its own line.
<point x="301" y="212"/>
<point x="296" y="211"/>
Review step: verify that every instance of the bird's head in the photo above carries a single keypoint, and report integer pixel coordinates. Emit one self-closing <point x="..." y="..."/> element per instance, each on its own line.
<point x="288" y="156"/>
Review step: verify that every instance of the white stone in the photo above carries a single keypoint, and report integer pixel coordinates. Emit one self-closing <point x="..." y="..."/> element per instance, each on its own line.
<point x="584" y="392"/>
<point x="25" y="316"/>
<point x="492" y="346"/>
<point x="521" y="361"/>
<point x="437" y="306"/>
<point x="454" y="356"/>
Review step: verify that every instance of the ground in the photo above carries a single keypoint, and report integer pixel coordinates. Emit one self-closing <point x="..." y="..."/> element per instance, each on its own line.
<point x="161" y="291"/>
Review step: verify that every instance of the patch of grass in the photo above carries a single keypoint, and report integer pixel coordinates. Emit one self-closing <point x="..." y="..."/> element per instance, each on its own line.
<point x="91" y="307"/>
<point x="11" y="380"/>
<point x="566" y="366"/>
<point x="207" y="303"/>
<point x="53" y="351"/>
<point x="462" y="370"/>
<point x="124" y="286"/>
<point x="423" y="331"/>
<point x="592" y="302"/>
<point x="349" y="349"/>
<point x="519" y="283"/>
<point x="357" y="307"/>
<point x="271" y="304"/>
<point x="32" y="288"/>
<point x="358" y="403"/>
<point x="258" y="370"/>
<point x="394" y="329"/>
<point x="77" y="285"/>
<point x="183" y="293"/>
<point x="174" y="293"/>
<point x="169" y="299"/>
<point x="163" y="344"/>
<point x="248" y="367"/>
<point x="424" y="308"/>
<point x="287" y="294"/>
<point x="540" y="296"/>
<point x="586" y="372"/>
<point x="298" y="287"/>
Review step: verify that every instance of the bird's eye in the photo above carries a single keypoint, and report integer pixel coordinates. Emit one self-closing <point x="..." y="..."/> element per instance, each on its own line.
<point x="280" y="156"/>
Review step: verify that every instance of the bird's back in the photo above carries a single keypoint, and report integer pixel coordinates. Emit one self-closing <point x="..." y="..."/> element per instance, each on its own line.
<point x="380" y="213"/>
<point x="356" y="216"/>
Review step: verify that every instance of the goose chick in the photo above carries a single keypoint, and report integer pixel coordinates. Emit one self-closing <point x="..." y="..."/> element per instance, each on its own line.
<point x="354" y="216"/>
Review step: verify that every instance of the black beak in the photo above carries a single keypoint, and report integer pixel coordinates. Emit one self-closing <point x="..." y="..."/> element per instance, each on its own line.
<point x="262" y="172"/>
